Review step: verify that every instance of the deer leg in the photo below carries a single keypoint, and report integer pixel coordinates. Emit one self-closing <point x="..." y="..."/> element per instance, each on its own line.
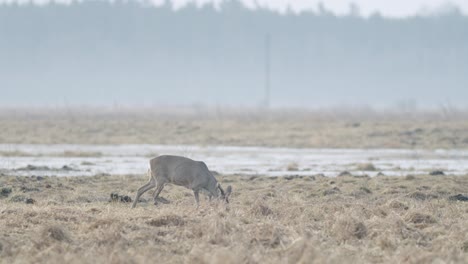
<point x="155" y="191"/>
<point x="142" y="190"/>
<point x="159" y="188"/>
<point x="197" y="198"/>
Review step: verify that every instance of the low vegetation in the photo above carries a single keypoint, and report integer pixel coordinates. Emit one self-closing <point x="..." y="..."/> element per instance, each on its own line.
<point x="301" y="129"/>
<point x="269" y="220"/>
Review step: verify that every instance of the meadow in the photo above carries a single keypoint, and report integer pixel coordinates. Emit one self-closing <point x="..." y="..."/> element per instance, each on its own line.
<point x="412" y="218"/>
<point x="344" y="219"/>
<point x="339" y="128"/>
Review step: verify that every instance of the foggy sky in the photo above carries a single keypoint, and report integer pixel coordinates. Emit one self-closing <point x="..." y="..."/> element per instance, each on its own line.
<point x="100" y="54"/>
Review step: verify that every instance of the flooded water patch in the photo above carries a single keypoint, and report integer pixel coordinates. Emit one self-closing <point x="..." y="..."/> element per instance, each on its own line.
<point x="78" y="160"/>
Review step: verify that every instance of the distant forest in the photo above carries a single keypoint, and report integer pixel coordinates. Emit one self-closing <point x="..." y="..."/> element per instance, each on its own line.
<point x="94" y="52"/>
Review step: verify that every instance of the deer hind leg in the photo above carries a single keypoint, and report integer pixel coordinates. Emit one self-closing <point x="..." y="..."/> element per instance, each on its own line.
<point x="159" y="188"/>
<point x="149" y="185"/>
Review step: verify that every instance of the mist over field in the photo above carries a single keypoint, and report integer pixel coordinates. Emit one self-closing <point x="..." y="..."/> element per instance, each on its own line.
<point x="98" y="53"/>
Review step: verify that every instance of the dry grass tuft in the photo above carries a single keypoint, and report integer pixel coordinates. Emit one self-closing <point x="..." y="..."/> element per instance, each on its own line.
<point x="101" y="223"/>
<point x="398" y="205"/>
<point x="366" y="167"/>
<point x="420" y="219"/>
<point x="465" y="246"/>
<point x="345" y="174"/>
<point x="302" y="251"/>
<point x="347" y="228"/>
<point x="81" y="154"/>
<point x="5" y="192"/>
<point x="269" y="236"/>
<point x="292" y="166"/>
<point x="261" y="208"/>
<point x="56" y="233"/>
<point x="87" y="163"/>
<point x="200" y="255"/>
<point x="422" y="196"/>
<point x="167" y="220"/>
<point x="334" y="190"/>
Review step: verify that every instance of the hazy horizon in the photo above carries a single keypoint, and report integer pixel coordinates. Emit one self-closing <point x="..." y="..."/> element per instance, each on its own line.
<point x="365" y="8"/>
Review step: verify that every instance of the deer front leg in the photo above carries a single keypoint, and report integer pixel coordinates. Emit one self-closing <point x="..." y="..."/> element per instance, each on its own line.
<point x="197" y="198"/>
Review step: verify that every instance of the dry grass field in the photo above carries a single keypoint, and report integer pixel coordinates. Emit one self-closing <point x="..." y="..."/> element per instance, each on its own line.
<point x="347" y="219"/>
<point x="301" y="129"/>
<point x="269" y="220"/>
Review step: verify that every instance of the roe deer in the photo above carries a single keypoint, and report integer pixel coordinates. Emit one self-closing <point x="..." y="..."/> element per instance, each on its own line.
<point x="184" y="172"/>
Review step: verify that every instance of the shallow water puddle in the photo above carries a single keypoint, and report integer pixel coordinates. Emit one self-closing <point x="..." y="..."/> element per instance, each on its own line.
<point x="78" y="160"/>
